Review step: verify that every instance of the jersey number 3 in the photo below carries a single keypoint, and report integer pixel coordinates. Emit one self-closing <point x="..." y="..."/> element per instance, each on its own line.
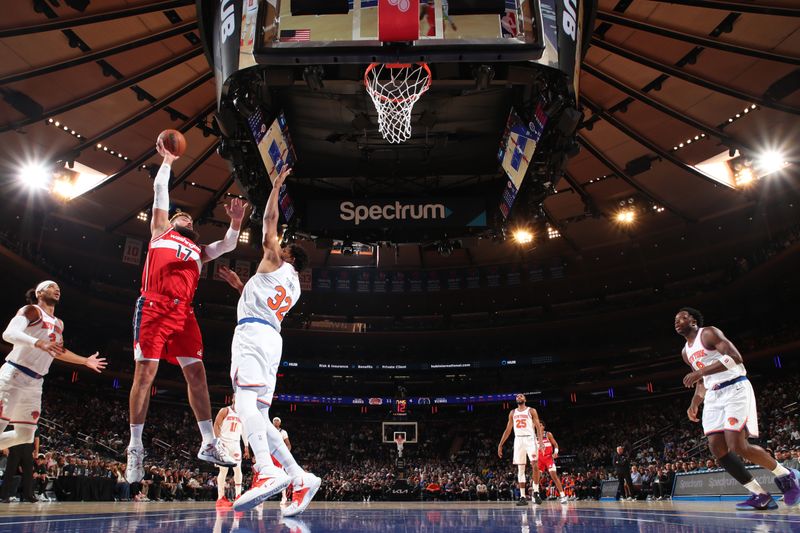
<point x="280" y="303"/>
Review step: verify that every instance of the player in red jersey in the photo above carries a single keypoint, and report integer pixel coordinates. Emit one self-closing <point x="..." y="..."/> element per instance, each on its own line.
<point x="547" y="453"/>
<point x="164" y="325"/>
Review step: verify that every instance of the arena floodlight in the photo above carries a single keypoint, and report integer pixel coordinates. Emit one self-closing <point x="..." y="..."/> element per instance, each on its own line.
<point x="626" y="216"/>
<point x="771" y="161"/>
<point x="34" y="175"/>
<point x="523" y="236"/>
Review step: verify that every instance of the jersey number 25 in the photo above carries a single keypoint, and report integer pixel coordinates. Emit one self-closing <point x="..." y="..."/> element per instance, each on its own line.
<point x="280" y="303"/>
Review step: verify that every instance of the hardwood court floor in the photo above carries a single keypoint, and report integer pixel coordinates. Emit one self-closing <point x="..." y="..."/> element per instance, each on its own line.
<point x="384" y="517"/>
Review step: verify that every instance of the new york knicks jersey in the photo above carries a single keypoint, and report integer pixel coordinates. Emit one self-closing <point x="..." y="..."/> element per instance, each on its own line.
<point x="45" y="328"/>
<point x="269" y="296"/>
<point x="700" y="356"/>
<point x="523" y="423"/>
<point x="172" y="267"/>
<point x="231" y="430"/>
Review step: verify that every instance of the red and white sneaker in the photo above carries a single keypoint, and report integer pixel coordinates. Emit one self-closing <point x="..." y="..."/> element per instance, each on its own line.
<point x="305" y="487"/>
<point x="267" y="484"/>
<point x="224" y="503"/>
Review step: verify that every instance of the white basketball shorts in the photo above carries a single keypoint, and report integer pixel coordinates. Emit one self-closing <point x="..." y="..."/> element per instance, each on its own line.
<point x="255" y="357"/>
<point x="732" y="408"/>
<point x="233" y="449"/>
<point x="20" y="396"/>
<point x="525" y="449"/>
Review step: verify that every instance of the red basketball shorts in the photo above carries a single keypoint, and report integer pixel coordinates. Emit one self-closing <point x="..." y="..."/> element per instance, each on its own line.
<point x="164" y="328"/>
<point x="546" y="462"/>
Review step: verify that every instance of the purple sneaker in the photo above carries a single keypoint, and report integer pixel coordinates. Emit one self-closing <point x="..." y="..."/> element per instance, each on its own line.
<point x="760" y="502"/>
<point x="790" y="486"/>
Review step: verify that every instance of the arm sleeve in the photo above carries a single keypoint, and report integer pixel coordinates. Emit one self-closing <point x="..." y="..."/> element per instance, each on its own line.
<point x="15" y="332"/>
<point x="227" y="244"/>
<point x="161" y="188"/>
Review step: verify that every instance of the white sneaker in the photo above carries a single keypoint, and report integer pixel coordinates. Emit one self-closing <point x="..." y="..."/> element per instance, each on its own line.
<point x="295" y="525"/>
<point x="134" y="472"/>
<point x="214" y="452"/>
<point x="305" y="487"/>
<point x="266" y="485"/>
<point x="563" y="499"/>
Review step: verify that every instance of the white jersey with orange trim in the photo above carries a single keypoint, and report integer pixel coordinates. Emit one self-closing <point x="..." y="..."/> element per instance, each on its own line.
<point x="267" y="297"/>
<point x="699" y="356"/>
<point x="284" y="435"/>
<point x="231" y="430"/>
<point x="45" y="328"/>
<point x="523" y="423"/>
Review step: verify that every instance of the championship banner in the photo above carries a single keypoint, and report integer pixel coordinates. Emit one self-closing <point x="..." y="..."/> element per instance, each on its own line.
<point x="322" y="281"/>
<point x="219" y="263"/>
<point x="343" y="281"/>
<point x="473" y="278"/>
<point x="242" y="270"/>
<point x="132" y="252"/>
<point x="381" y="280"/>
<point x="433" y="281"/>
<point x="454" y="280"/>
<point x="384" y="213"/>
<point x="415" y="281"/>
<point x="493" y="277"/>
<point x="364" y="282"/>
<point x="306" y="279"/>
<point x="398" y="282"/>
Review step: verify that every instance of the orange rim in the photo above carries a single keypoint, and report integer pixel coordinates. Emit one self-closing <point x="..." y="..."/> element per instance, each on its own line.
<point x="372" y="66"/>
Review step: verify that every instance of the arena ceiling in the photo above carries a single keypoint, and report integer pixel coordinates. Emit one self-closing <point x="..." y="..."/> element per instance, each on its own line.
<point x="664" y="86"/>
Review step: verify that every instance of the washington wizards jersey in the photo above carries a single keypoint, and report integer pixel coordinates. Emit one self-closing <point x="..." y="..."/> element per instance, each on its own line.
<point x="172" y="267"/>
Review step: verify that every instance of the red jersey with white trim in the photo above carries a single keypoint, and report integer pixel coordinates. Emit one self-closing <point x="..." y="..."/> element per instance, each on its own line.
<point x="172" y="267"/>
<point x="546" y="450"/>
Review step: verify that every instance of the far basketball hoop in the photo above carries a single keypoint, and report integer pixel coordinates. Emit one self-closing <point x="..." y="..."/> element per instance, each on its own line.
<point x="394" y="89"/>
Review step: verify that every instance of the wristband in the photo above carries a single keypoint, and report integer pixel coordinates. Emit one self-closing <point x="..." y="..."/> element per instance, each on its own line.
<point x="555" y="452"/>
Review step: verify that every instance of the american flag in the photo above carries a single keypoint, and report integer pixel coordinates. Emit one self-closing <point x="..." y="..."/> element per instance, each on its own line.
<point x="294" y="36"/>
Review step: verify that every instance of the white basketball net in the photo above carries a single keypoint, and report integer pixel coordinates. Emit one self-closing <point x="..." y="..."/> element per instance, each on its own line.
<point x="394" y="89"/>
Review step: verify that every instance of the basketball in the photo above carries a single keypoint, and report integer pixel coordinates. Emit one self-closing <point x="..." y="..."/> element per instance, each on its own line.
<point x="174" y="142"/>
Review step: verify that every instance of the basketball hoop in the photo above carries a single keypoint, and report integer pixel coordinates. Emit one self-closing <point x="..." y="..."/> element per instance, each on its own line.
<point x="399" y="440"/>
<point x="394" y="89"/>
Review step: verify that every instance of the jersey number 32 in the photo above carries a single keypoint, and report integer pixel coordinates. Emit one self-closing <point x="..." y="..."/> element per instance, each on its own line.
<point x="280" y="303"/>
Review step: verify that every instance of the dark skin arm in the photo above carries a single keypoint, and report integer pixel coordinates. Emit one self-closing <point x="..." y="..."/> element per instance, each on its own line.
<point x="713" y="337"/>
<point x="699" y="393"/>
<point x="506" y="433"/>
<point x="554" y="443"/>
<point x="271" y="242"/>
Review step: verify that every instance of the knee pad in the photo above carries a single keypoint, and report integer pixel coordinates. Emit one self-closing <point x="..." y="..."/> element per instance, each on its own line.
<point x="521" y="473"/>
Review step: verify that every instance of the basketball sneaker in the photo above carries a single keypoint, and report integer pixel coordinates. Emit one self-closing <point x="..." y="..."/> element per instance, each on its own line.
<point x="536" y="499"/>
<point x="224" y="503"/>
<point x="790" y="487"/>
<point x="268" y="483"/>
<point x="563" y="499"/>
<point x="134" y="471"/>
<point x="215" y="452"/>
<point x="760" y="502"/>
<point x="522" y="502"/>
<point x="295" y="525"/>
<point x="305" y="487"/>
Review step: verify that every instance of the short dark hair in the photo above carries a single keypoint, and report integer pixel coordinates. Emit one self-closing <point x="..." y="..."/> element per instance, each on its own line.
<point x="30" y="296"/>
<point x="694" y="313"/>
<point x="299" y="257"/>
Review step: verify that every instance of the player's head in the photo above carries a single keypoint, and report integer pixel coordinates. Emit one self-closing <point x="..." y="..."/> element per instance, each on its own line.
<point x="294" y="254"/>
<point x="183" y="223"/>
<point x="687" y="320"/>
<point x="276" y="422"/>
<point x="542" y="423"/>
<point x="520" y="399"/>
<point x="47" y="292"/>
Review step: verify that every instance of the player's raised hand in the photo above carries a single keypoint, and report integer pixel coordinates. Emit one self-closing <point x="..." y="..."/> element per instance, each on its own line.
<point x="236" y="210"/>
<point x="53" y="348"/>
<point x="231" y="278"/>
<point x="98" y="364"/>
<point x="285" y="171"/>
<point x="169" y="158"/>
<point x="691" y="412"/>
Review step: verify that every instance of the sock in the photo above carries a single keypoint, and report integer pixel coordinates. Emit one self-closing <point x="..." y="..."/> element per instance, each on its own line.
<point x="246" y="401"/>
<point x="735" y="467"/>
<point x="278" y="447"/>
<point x="535" y="487"/>
<point x="754" y="487"/>
<point x="136" y="436"/>
<point x="561" y="493"/>
<point x="206" y="430"/>
<point x="780" y="470"/>
<point x="238" y="489"/>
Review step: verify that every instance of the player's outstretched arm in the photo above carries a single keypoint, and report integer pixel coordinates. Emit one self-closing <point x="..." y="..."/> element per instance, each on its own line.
<point x="94" y="361"/>
<point x="231" y="278"/>
<point x="159" y="222"/>
<point x="15" y="332"/>
<point x="270" y="238"/>
<point x="504" y="438"/>
<point x="235" y="212"/>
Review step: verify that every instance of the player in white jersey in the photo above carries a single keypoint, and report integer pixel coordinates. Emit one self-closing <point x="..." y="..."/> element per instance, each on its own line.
<point x="527" y="440"/>
<point x="729" y="415"/>
<point x="37" y="337"/>
<point x="229" y="431"/>
<point x="255" y="355"/>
